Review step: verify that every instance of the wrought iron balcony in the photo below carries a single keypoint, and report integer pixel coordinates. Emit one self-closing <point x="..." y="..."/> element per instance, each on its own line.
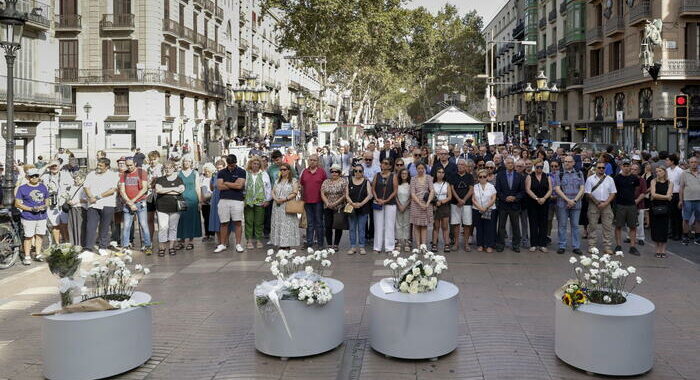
<point x="561" y="44"/>
<point x="219" y="13"/>
<point x="38" y="14"/>
<point x="562" y="7"/>
<point x="594" y="35"/>
<point x="552" y="16"/>
<point x="614" y="26"/>
<point x="243" y="44"/>
<point x="68" y="23"/>
<point x="690" y="8"/>
<point x="171" y="27"/>
<point x="112" y="22"/>
<point x="188" y="34"/>
<point x="640" y="12"/>
<point x="519" y="31"/>
<point x="542" y="54"/>
<point x="201" y="40"/>
<point x="542" y="23"/>
<point x="152" y="77"/>
<point x="37" y="93"/>
<point x="518" y="58"/>
<point x="255" y="52"/>
<point x="552" y="50"/>
<point x="574" y="79"/>
<point x="209" y="7"/>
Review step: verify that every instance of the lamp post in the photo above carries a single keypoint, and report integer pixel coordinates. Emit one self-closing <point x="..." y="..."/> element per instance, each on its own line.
<point x="301" y="100"/>
<point x="12" y="28"/>
<point x="87" y="108"/>
<point x="540" y="98"/>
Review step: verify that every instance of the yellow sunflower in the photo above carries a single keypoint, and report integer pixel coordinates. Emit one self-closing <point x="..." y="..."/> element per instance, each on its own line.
<point x="567" y="299"/>
<point x="579" y="296"/>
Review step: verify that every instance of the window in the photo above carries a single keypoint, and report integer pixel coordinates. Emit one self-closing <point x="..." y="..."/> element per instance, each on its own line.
<point x="692" y="41"/>
<point x="70" y="138"/>
<point x="121" y="101"/>
<point x="166" y="9"/>
<point x="68" y="58"/>
<point x="167" y="104"/>
<point x="596" y="62"/>
<point x="616" y="55"/>
<point x="68" y="7"/>
<point x="182" y="63"/>
<point x="206" y="109"/>
<point x="229" y="62"/>
<point x="122" y="7"/>
<point x="195" y="66"/>
<point x="123" y="56"/>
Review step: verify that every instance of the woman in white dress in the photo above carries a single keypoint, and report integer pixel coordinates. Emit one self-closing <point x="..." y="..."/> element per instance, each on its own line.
<point x="403" y="214"/>
<point x="285" y="227"/>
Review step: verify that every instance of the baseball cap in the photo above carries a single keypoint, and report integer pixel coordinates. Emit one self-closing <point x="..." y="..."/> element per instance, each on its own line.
<point x="636" y="157"/>
<point x="122" y="158"/>
<point x="33" y="171"/>
<point x="54" y="163"/>
<point x="626" y="162"/>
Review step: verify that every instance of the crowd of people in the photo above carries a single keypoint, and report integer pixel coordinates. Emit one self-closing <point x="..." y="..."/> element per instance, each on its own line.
<point x="387" y="195"/>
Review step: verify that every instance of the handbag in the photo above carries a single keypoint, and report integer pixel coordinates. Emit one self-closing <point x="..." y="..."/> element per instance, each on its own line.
<point x="486" y="215"/>
<point x="340" y="221"/>
<point x="65" y="207"/>
<point x="659" y="210"/>
<point x="348" y="209"/>
<point x="181" y="204"/>
<point x="294" y="206"/>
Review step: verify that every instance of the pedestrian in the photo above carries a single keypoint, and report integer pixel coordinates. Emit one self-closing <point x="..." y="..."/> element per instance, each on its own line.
<point x="640" y="199"/>
<point x="284" y="231"/>
<point x="484" y="209"/>
<point x="139" y="157"/>
<point x="77" y="214"/>
<point x="358" y="194"/>
<point x="553" y="200"/>
<point x="231" y="183"/>
<point x="569" y="184"/>
<point x="626" y="214"/>
<point x="384" y="188"/>
<point x="674" y="173"/>
<point x="538" y="187"/>
<point x="443" y="162"/>
<point x="310" y="181"/>
<point x="58" y="182"/>
<point x="421" y="197"/>
<point x="661" y="202"/>
<point x="510" y="188"/>
<point x="32" y="199"/>
<point x="258" y="194"/>
<point x="133" y="190"/>
<point x="100" y="188"/>
<point x="403" y="210"/>
<point x="190" y="223"/>
<point x="333" y="195"/>
<point x="169" y="189"/>
<point x="600" y="189"/>
<point x="214" y="223"/>
<point x="441" y="209"/>
<point x="205" y="181"/>
<point x="689" y="198"/>
<point x="155" y="171"/>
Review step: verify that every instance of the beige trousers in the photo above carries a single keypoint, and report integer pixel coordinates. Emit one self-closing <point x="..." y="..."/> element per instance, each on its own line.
<point x="606" y="218"/>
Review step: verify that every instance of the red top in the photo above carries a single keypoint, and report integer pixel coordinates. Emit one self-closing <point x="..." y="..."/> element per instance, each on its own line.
<point x="133" y="183"/>
<point x="311" y="184"/>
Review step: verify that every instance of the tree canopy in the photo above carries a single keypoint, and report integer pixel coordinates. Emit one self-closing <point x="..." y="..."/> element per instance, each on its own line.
<point x="394" y="63"/>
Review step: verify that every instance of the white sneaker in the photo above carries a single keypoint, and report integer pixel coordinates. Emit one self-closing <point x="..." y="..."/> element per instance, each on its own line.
<point x="239" y="248"/>
<point x="103" y="252"/>
<point x="220" y="248"/>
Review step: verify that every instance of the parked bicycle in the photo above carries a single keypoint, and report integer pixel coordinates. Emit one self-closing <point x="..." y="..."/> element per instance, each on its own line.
<point x="10" y="237"/>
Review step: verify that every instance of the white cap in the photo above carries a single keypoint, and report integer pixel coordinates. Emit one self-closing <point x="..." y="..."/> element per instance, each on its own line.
<point x="33" y="171"/>
<point x="636" y="157"/>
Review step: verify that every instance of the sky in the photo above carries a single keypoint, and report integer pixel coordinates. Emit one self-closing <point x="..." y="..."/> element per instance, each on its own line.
<point x="486" y="8"/>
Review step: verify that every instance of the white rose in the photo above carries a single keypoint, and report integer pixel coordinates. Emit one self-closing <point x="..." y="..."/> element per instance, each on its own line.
<point x="606" y="299"/>
<point x="631" y="269"/>
<point x="284" y="262"/>
<point x="572" y="260"/>
<point x="270" y="252"/>
<point x="393" y="266"/>
<point x="593" y="250"/>
<point x="586" y="261"/>
<point x="409" y="278"/>
<point x="146" y="271"/>
<point x="403" y="287"/>
<point x="578" y="269"/>
<point x="428" y="270"/>
<point x="387" y="262"/>
<point x="416" y="271"/>
<point x="112" y="282"/>
<point x="138" y="267"/>
<point x="639" y="280"/>
<point x="309" y="269"/>
<point x="595" y="264"/>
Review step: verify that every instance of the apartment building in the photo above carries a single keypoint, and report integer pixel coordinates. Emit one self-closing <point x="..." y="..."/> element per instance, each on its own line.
<point x="615" y="82"/>
<point x="38" y="99"/>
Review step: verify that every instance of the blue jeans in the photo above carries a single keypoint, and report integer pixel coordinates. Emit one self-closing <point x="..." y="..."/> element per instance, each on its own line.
<point x="142" y="214"/>
<point x="357" y="229"/>
<point x="571" y="216"/>
<point x="314" y="223"/>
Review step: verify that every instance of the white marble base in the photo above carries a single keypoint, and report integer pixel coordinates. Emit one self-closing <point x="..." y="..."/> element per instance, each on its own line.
<point x="414" y="326"/>
<point x="314" y="328"/>
<point x="97" y="344"/>
<point x="613" y="340"/>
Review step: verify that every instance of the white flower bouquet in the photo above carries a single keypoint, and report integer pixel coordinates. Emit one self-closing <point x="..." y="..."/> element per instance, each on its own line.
<point x="417" y="273"/>
<point x="64" y="260"/>
<point x="602" y="278"/>
<point x="298" y="276"/>
<point x="114" y="279"/>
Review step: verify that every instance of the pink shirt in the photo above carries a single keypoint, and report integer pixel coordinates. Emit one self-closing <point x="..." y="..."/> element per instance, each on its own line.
<point x="311" y="184"/>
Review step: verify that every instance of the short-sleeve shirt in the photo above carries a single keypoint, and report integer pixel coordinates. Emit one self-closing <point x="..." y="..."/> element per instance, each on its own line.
<point x="229" y="175"/>
<point x="570" y="182"/>
<point x="626" y="186"/>
<point x="98" y="184"/>
<point x="311" y="184"/>
<point x="483" y="195"/>
<point x="133" y="183"/>
<point x="461" y="184"/>
<point x="167" y="202"/>
<point x="603" y="191"/>
<point x="33" y="196"/>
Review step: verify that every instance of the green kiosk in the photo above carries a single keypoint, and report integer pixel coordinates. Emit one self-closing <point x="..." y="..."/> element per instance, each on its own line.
<point x="452" y="126"/>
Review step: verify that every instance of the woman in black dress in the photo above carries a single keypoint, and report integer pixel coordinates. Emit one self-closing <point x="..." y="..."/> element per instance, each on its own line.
<point x="661" y="193"/>
<point x="538" y="186"/>
<point x="648" y="176"/>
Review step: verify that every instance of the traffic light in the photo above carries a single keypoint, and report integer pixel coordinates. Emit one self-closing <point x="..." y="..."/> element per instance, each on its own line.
<point x="680" y="120"/>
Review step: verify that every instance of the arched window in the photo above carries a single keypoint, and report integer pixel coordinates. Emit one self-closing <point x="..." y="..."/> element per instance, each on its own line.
<point x="229" y="34"/>
<point x="645" y="100"/>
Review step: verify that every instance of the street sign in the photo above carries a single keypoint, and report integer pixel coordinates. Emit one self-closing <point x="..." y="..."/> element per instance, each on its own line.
<point x="620" y="119"/>
<point x="492" y="113"/>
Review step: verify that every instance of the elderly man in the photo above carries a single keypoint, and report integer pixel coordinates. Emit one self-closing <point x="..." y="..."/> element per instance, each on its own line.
<point x="600" y="189"/>
<point x="133" y="189"/>
<point x="311" y="180"/>
<point x="444" y="163"/>
<point x="100" y="189"/>
<point x="58" y="182"/>
<point x="569" y="187"/>
<point x="510" y="188"/>
<point x="462" y="183"/>
<point x="689" y="200"/>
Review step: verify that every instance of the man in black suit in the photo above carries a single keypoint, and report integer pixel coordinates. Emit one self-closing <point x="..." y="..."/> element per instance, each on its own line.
<point x="510" y="188"/>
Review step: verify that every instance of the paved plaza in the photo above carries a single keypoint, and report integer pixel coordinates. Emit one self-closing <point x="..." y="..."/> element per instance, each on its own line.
<point x="203" y="328"/>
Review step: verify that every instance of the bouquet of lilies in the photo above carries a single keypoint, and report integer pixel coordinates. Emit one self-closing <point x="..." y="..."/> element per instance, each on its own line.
<point x="417" y="273"/>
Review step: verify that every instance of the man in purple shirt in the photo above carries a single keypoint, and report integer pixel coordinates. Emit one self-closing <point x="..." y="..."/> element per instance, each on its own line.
<point x="32" y="199"/>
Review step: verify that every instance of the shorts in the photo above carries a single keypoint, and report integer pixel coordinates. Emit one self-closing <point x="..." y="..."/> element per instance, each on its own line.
<point x="56" y="217"/>
<point x="461" y="215"/>
<point x="230" y="210"/>
<point x="33" y="227"/>
<point x="691" y="208"/>
<point x="626" y="216"/>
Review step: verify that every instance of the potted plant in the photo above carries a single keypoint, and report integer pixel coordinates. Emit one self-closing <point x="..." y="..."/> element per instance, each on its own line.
<point x="64" y="260"/>
<point x="418" y="273"/>
<point x="600" y="325"/>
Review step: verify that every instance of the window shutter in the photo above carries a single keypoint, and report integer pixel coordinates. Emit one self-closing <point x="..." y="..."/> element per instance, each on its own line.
<point x="107" y="55"/>
<point x="134" y="53"/>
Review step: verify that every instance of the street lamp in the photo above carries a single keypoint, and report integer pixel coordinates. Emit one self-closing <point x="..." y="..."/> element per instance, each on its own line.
<point x="540" y="98"/>
<point x="12" y="28"/>
<point x="87" y="108"/>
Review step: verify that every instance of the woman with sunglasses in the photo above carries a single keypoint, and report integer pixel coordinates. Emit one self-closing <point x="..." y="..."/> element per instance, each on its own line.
<point x="399" y="165"/>
<point x="441" y="214"/>
<point x="284" y="232"/>
<point x="333" y="197"/>
<point x="403" y="215"/>
<point x="422" y="194"/>
<point x="358" y="194"/>
<point x="538" y="187"/>
<point x="384" y="188"/>
<point x="484" y="208"/>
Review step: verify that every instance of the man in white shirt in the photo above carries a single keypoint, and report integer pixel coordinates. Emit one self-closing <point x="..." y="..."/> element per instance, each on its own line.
<point x="600" y="189"/>
<point x="674" y="173"/>
<point x="58" y="182"/>
<point x="100" y="189"/>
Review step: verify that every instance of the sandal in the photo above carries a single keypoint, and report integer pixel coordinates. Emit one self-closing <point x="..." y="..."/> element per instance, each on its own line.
<point x="172" y="252"/>
<point x="179" y="246"/>
<point x="433" y="247"/>
<point x="161" y="252"/>
<point x="447" y="248"/>
<point x="189" y="247"/>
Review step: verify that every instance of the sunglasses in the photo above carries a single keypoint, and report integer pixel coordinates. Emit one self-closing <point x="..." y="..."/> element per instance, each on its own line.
<point x="600" y="167"/>
<point x="416" y="155"/>
<point x="368" y="160"/>
<point x="399" y="164"/>
<point x="34" y="176"/>
<point x="539" y="167"/>
<point x="284" y="170"/>
<point x="483" y="176"/>
<point x="335" y="171"/>
<point x="358" y="171"/>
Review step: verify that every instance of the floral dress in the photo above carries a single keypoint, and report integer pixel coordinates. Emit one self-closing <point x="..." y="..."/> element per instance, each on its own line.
<point x="334" y="190"/>
<point x="285" y="227"/>
<point x="419" y="215"/>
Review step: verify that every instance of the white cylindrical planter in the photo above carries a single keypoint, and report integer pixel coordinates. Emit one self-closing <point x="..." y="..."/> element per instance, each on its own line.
<point x="314" y="328"/>
<point x="99" y="344"/>
<point x="414" y="326"/>
<point x="613" y="340"/>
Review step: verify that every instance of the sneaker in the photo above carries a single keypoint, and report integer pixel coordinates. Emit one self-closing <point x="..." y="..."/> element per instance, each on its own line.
<point x="220" y="248"/>
<point x="351" y="251"/>
<point x="685" y="240"/>
<point x="640" y="242"/>
<point x="543" y="249"/>
<point x="148" y="251"/>
<point x="618" y="248"/>
<point x="239" y="248"/>
<point x="533" y="249"/>
<point x="516" y="249"/>
<point x="633" y="251"/>
<point x="577" y="252"/>
<point x="259" y="245"/>
<point x="562" y="250"/>
<point x="249" y="245"/>
<point x="697" y="241"/>
<point x="627" y="240"/>
<point x="363" y="251"/>
<point x="27" y="261"/>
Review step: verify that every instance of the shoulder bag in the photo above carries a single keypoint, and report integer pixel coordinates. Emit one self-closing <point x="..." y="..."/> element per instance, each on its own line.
<point x="659" y="210"/>
<point x="294" y="206"/>
<point x="65" y="207"/>
<point x="181" y="204"/>
<point x="348" y="207"/>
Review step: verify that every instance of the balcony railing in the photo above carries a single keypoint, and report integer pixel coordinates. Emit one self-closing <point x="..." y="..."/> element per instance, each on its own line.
<point x="542" y="23"/>
<point x="518" y="57"/>
<point x="211" y="45"/>
<point x="594" y="35"/>
<point x="552" y="15"/>
<point x="639" y="12"/>
<point x="542" y="54"/>
<point x="575" y="35"/>
<point x="34" y="92"/>
<point x="219" y="13"/>
<point x="519" y="31"/>
<point x="552" y="50"/>
<point x="188" y="34"/>
<point x="117" y="21"/>
<point x="614" y="25"/>
<point x="562" y="8"/>
<point x="561" y="44"/>
<point x="198" y="3"/>
<point x="690" y="7"/>
<point x="120" y="109"/>
<point x="671" y="69"/>
<point x="209" y="7"/>
<point x="68" y="22"/>
<point x="574" y="79"/>
<point x="156" y="77"/>
<point x="244" y="73"/>
<point x="70" y="110"/>
<point x="171" y="27"/>
<point x="243" y="44"/>
<point x="201" y="40"/>
<point x="255" y="51"/>
<point x="38" y="13"/>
